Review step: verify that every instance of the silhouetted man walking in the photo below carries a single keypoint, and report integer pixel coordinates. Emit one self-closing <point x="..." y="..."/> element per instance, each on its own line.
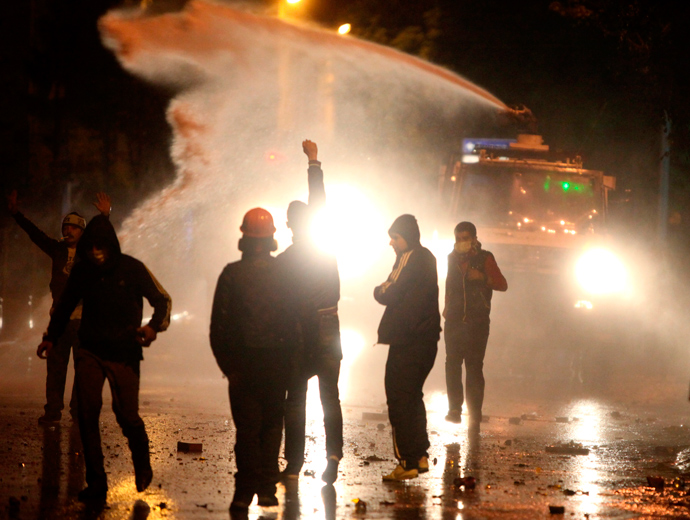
<point x="253" y="337"/>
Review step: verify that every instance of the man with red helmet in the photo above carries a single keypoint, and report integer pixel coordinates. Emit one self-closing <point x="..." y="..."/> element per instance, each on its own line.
<point x="253" y="335"/>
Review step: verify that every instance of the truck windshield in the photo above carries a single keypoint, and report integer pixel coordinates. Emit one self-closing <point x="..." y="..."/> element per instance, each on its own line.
<point x="506" y="197"/>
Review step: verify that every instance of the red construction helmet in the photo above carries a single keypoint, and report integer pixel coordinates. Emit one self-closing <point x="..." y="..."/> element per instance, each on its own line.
<point x="258" y="223"/>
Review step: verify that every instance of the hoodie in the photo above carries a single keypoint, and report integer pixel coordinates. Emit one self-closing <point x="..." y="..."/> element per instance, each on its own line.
<point x="112" y="296"/>
<point x="410" y="293"/>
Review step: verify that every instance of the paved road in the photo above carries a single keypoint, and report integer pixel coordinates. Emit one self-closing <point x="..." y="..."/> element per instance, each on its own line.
<point x="42" y="469"/>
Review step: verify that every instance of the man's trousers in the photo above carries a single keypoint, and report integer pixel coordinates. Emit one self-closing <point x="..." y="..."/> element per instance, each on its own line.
<point x="327" y="368"/>
<point x="407" y="368"/>
<point x="91" y="373"/>
<point x="466" y="343"/>
<point x="57" y="363"/>
<point x="257" y="402"/>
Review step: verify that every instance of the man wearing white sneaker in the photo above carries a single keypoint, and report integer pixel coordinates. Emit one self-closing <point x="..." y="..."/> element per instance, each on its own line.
<point x="411" y="326"/>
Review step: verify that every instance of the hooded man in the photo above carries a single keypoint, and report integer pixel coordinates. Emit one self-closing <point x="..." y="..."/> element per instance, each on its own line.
<point x="62" y="252"/>
<point x="253" y="337"/>
<point x="316" y="275"/>
<point x="411" y="326"/>
<point x="112" y="286"/>
<point x="473" y="275"/>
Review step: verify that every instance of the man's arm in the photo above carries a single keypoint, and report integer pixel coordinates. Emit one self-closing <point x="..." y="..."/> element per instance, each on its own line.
<point x="404" y="276"/>
<point x="220" y="324"/>
<point x="317" y="190"/>
<point x="103" y="204"/>
<point x="38" y="237"/>
<point x="161" y="302"/>
<point x="494" y="277"/>
<point x="450" y="283"/>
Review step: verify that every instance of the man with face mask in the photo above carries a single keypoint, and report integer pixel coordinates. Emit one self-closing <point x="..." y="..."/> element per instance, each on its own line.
<point x="411" y="326"/>
<point x="63" y="255"/>
<point x="112" y="286"/>
<point x="473" y="275"/>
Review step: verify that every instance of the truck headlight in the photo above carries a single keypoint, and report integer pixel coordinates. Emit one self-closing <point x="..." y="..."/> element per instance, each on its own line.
<point x="599" y="271"/>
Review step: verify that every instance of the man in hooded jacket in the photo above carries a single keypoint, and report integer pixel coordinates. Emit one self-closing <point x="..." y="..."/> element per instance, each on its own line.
<point x="411" y="326"/>
<point x="112" y="286"/>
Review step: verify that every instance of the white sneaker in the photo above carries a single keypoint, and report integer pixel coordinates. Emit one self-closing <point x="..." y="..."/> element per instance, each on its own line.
<point x="423" y="465"/>
<point x="400" y="473"/>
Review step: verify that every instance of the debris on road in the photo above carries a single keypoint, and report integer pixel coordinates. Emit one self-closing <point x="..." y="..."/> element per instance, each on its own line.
<point x="656" y="482"/>
<point x="189" y="447"/>
<point x="570" y="448"/>
<point x="465" y="482"/>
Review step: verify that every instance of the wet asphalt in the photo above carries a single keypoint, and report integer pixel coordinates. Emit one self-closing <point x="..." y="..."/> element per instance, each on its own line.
<point x="563" y="457"/>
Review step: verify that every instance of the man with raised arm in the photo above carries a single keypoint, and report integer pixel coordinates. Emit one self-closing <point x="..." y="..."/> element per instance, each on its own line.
<point x="62" y="252"/>
<point x="112" y="286"/>
<point x="316" y="274"/>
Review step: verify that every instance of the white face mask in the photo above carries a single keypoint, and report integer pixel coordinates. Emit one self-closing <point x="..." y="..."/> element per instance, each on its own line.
<point x="463" y="247"/>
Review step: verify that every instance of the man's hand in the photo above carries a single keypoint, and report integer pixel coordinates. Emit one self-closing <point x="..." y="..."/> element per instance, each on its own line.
<point x="475" y="274"/>
<point x="146" y="335"/>
<point x="43" y="350"/>
<point x="102" y="203"/>
<point x="310" y="149"/>
<point x="12" y="205"/>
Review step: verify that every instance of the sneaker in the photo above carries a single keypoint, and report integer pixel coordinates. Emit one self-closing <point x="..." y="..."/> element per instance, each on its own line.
<point x="92" y="494"/>
<point x="454" y="416"/>
<point x="268" y="500"/>
<point x="474" y="426"/>
<point x="400" y="473"/>
<point x="143" y="478"/>
<point x="50" y="419"/>
<point x="331" y="474"/>
<point x="423" y="465"/>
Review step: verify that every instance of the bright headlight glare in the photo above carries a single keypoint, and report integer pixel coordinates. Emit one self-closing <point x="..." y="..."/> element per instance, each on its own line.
<point x="599" y="271"/>
<point x="351" y="228"/>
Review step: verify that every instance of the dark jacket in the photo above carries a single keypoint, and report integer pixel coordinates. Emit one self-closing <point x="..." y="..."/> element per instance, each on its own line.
<point x="316" y="281"/>
<point x="317" y="289"/>
<point x="57" y="250"/>
<point x="251" y="310"/>
<point x="470" y="300"/>
<point x="411" y="298"/>
<point x="112" y="298"/>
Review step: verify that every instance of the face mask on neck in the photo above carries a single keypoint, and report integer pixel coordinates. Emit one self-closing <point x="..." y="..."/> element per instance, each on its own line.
<point x="463" y="247"/>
